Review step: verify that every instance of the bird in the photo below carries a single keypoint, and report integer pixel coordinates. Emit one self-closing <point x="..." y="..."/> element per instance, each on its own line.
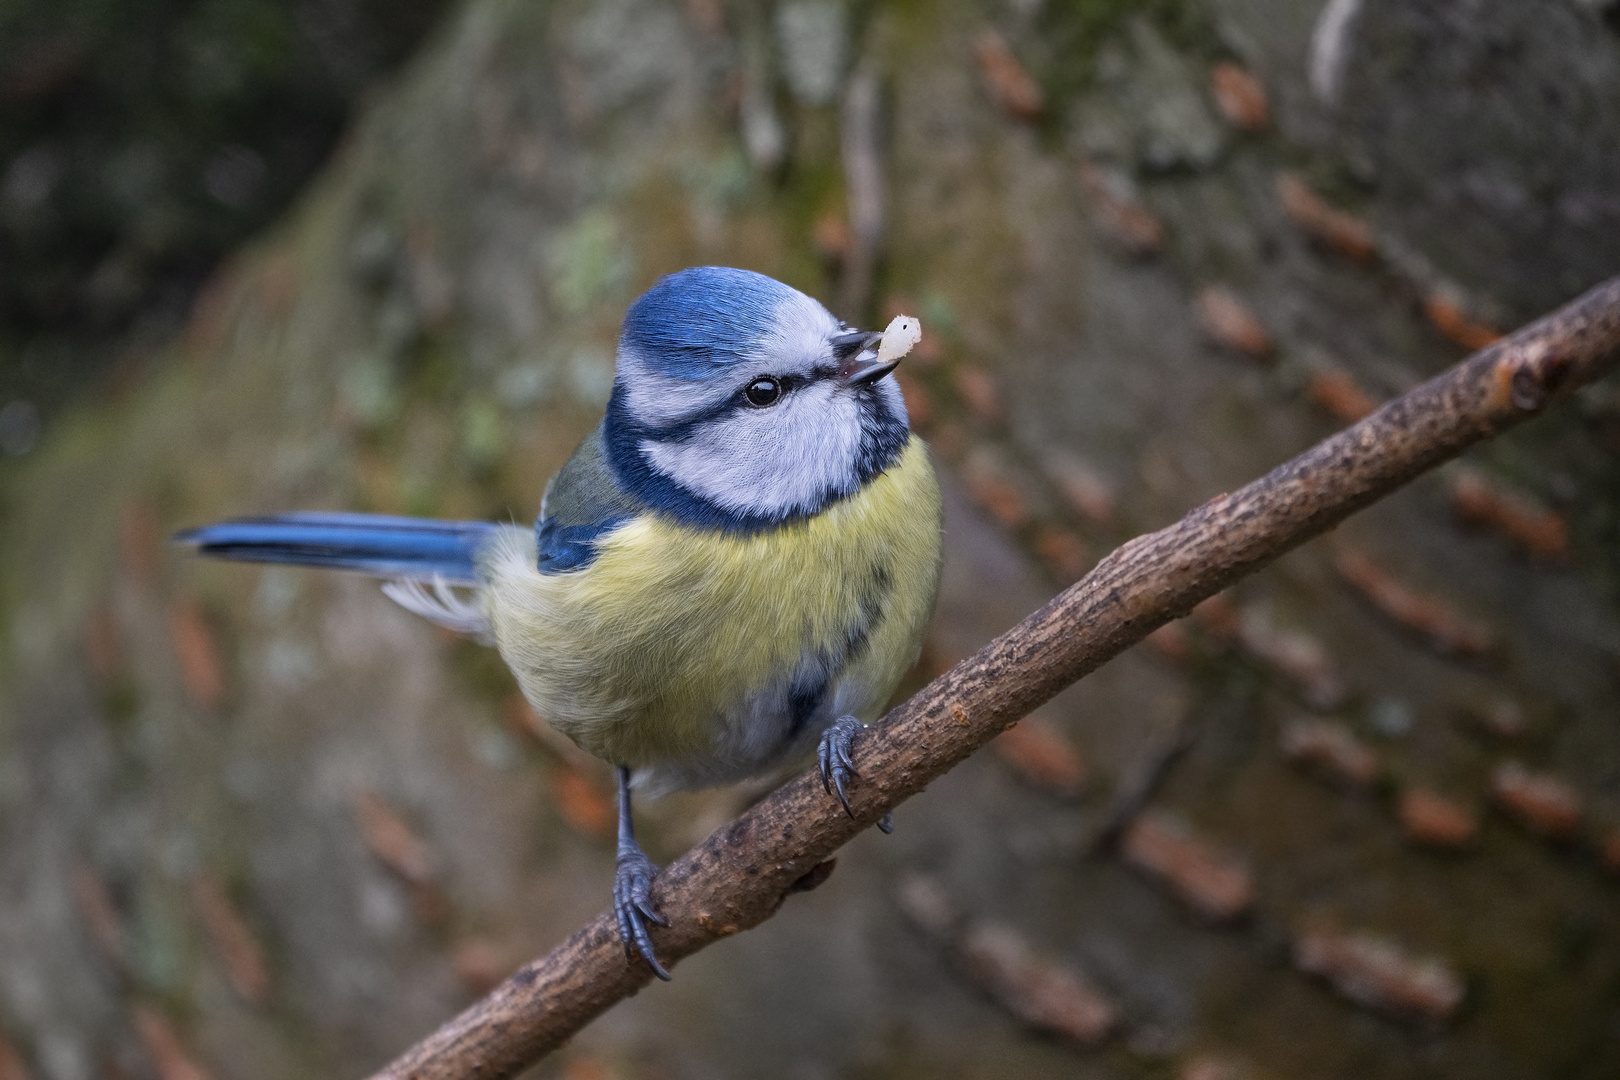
<point x="737" y="565"/>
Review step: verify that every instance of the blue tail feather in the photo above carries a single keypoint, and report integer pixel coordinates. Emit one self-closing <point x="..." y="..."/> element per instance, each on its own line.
<point x="377" y="544"/>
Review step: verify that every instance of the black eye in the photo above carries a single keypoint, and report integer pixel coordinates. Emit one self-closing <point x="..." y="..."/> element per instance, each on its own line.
<point x="763" y="392"/>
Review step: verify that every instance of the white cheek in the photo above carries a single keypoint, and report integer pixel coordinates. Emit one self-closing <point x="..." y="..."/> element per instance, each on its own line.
<point x="768" y="461"/>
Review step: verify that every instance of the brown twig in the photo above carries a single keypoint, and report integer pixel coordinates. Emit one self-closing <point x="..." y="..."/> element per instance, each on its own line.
<point x="739" y="876"/>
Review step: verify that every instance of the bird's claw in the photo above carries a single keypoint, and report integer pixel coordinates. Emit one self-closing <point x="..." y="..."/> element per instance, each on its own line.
<point x="832" y="755"/>
<point x="632" y="902"/>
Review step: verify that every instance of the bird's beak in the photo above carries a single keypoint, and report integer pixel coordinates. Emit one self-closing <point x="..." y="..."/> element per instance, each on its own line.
<point x="858" y="364"/>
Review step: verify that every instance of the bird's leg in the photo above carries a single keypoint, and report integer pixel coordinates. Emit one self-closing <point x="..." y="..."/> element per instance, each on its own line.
<point x="632" y="887"/>
<point x="832" y="754"/>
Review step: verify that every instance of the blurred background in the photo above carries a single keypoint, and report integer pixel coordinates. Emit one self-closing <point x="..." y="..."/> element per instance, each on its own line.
<point x="141" y="142"/>
<point x="1358" y="817"/>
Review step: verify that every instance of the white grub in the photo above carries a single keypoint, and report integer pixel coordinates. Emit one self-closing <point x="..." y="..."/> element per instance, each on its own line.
<point x="899" y="338"/>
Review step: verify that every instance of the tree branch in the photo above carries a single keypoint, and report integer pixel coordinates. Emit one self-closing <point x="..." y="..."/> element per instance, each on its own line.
<point x="739" y="876"/>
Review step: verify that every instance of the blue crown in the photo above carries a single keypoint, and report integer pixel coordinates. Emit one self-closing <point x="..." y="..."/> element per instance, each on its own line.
<point x="694" y="323"/>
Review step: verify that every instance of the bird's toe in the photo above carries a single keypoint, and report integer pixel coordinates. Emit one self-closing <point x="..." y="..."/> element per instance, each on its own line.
<point x="632" y="903"/>
<point x="833" y="756"/>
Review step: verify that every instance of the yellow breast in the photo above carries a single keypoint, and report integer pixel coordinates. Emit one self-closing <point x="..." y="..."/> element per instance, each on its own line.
<point x="669" y="649"/>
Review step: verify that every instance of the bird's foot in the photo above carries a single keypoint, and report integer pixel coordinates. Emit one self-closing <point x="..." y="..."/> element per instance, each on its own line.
<point x="836" y="767"/>
<point x="632" y="901"/>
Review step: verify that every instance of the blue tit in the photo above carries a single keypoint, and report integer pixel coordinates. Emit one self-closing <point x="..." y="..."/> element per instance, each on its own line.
<point x="738" y="564"/>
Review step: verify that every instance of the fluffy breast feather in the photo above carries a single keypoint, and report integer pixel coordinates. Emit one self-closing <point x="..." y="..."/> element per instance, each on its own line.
<point x="657" y="652"/>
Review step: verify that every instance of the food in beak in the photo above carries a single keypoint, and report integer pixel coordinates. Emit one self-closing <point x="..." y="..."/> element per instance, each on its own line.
<point x="899" y="338"/>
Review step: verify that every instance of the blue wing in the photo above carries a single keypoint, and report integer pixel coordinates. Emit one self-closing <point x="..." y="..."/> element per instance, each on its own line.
<point x="393" y="547"/>
<point x="583" y="501"/>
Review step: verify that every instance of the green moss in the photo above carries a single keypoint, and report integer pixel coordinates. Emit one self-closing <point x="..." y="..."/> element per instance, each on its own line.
<point x="120" y="699"/>
<point x="483" y="434"/>
<point x="811" y="186"/>
<point x="590" y="261"/>
<point x="434" y="373"/>
<point x="1063" y="52"/>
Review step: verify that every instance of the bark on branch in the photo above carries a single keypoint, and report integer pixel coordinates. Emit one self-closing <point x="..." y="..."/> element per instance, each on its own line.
<point x="739" y="876"/>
